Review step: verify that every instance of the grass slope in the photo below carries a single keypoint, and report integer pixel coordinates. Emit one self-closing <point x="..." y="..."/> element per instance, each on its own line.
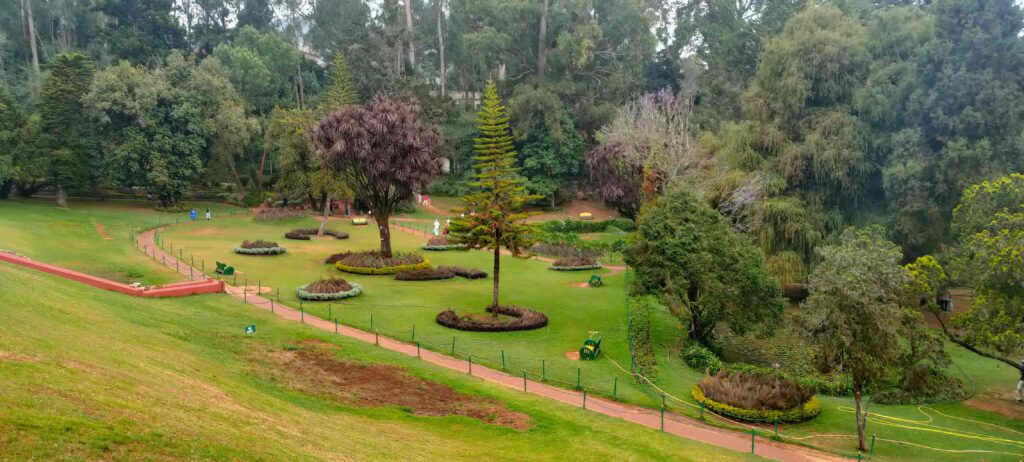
<point x="93" y="375"/>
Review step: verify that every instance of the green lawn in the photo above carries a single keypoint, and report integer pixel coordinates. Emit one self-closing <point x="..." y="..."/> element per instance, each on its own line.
<point x="397" y="306"/>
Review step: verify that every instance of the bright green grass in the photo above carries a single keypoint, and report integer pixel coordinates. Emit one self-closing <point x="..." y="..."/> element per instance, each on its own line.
<point x="93" y="375"/>
<point x="68" y="237"/>
<point x="574" y="312"/>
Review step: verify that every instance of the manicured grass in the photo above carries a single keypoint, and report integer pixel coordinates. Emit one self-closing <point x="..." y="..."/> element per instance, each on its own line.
<point x="69" y="237"/>
<point x="574" y="312"/>
<point x="93" y="375"/>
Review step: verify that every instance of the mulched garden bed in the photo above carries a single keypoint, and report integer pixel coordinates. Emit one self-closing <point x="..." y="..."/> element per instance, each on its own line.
<point x="511" y="318"/>
<point x="440" y="243"/>
<point x="259" y="248"/>
<point x="575" y="264"/>
<point x="757" y="397"/>
<point x="371" y="262"/>
<point x="426" y="274"/>
<point x="305" y="234"/>
<point x="329" y="289"/>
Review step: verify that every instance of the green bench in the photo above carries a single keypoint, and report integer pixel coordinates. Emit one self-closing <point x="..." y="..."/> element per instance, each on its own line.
<point x="224" y="269"/>
<point x="591" y="348"/>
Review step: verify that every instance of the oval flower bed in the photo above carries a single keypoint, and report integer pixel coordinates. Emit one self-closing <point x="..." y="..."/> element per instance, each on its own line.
<point x="371" y="262"/>
<point x="757" y="397"/>
<point x="426" y="274"/>
<point x="510" y="318"/>
<point x="440" y="243"/>
<point x="259" y="248"/>
<point x="305" y="234"/>
<point x="329" y="289"/>
<point x="575" y="264"/>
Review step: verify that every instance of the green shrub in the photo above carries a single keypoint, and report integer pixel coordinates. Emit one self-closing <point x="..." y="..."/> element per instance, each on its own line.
<point x="383" y="270"/>
<point x="575" y="264"/>
<point x="807" y="411"/>
<point x="699" y="357"/>
<point x="645" y="362"/>
<point x="579" y="226"/>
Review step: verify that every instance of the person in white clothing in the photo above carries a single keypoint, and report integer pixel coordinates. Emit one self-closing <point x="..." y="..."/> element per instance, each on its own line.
<point x="1020" y="383"/>
<point x="437" y="227"/>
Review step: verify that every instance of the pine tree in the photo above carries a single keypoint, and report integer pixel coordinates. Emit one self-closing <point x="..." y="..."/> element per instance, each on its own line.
<point x="493" y="215"/>
<point x="342" y="91"/>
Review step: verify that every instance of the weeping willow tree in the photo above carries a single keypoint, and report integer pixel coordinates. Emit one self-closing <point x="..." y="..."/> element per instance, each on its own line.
<point x="801" y="137"/>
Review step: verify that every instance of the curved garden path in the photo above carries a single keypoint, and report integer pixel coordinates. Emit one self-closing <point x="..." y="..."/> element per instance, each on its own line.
<point x="673" y="423"/>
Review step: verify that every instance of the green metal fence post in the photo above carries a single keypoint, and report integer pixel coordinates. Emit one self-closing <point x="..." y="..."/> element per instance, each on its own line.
<point x="470" y="364"/>
<point x="579" y="373"/>
<point x="663" y="418"/>
<point x="615" y="388"/>
<point x="335" y="325"/>
<point x="543" y="370"/>
<point x="371" y="321"/>
<point x="524" y="379"/>
<point x="753" y="433"/>
<point x="302" y="314"/>
<point x="502" y="359"/>
<point x="271" y="305"/>
<point x="584" y="399"/>
<point x="776" y="427"/>
<point x="701" y="410"/>
<point x="202" y="265"/>
<point x="181" y="253"/>
<point x="414" y="332"/>
<point x="872" y="449"/>
<point x="234" y="281"/>
<point x="453" y="345"/>
<point x="376" y="338"/>
<point x="417" y="349"/>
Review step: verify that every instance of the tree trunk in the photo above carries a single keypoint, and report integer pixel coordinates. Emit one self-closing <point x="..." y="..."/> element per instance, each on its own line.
<point x="26" y="7"/>
<point x="301" y="100"/>
<point x="497" y="275"/>
<point x="862" y="420"/>
<point x="238" y="179"/>
<point x="259" y="173"/>
<point x="542" y="47"/>
<point x="972" y="348"/>
<point x="5" y="189"/>
<point x="327" y="213"/>
<point x="408" y="33"/>
<point x="440" y="48"/>
<point x="385" y="234"/>
<point x="62" y="197"/>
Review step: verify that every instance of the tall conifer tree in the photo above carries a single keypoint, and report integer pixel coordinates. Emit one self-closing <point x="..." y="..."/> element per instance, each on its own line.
<point x="493" y="213"/>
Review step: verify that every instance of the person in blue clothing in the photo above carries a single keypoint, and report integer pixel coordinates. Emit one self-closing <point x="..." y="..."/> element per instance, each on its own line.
<point x="192" y="215"/>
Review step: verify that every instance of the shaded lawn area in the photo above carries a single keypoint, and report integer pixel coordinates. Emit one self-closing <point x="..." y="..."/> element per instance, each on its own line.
<point x="94" y="375"/>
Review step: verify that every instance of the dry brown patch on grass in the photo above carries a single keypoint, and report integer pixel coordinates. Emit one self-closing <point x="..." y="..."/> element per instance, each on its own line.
<point x="994" y="402"/>
<point x="314" y="370"/>
<point x="16" y="357"/>
<point x="101" y="230"/>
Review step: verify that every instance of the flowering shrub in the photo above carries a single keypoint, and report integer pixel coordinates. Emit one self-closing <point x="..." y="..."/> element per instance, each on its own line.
<point x="575" y="264"/>
<point x="372" y="262"/>
<point x="304" y="234"/>
<point x="468" y="273"/>
<point x="805" y="411"/>
<point x="441" y="243"/>
<point x="259" y="248"/>
<point x="522" y="319"/>
<point x="329" y="289"/>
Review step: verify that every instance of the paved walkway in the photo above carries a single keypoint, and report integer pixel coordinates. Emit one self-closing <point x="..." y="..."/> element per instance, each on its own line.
<point x="674" y="424"/>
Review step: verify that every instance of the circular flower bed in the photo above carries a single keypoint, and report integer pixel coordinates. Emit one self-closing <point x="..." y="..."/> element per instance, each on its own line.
<point x="575" y="264"/>
<point x="757" y="397"/>
<point x="259" y="248"/>
<point x="305" y="234"/>
<point x="426" y="274"/>
<point x="510" y="318"/>
<point x="440" y="243"/>
<point x="371" y="262"/>
<point x="329" y="289"/>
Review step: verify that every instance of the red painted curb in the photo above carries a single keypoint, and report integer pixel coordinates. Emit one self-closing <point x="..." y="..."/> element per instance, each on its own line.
<point x="177" y="289"/>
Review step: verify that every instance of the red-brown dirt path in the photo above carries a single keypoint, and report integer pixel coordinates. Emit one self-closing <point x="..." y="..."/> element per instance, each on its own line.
<point x="673" y="423"/>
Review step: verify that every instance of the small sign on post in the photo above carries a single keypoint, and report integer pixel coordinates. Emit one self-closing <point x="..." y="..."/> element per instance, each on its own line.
<point x="250" y="329"/>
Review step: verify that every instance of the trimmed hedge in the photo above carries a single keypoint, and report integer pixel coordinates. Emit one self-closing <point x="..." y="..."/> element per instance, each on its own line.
<point x="383" y="270"/>
<point x="305" y="234"/>
<point x="575" y="264"/>
<point x="525" y="319"/>
<point x="580" y="226"/>
<point x="807" y="411"/>
<point x="313" y="296"/>
<point x="645" y="362"/>
<point x="426" y="274"/>
<point x="371" y="262"/>
<point x="468" y="273"/>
